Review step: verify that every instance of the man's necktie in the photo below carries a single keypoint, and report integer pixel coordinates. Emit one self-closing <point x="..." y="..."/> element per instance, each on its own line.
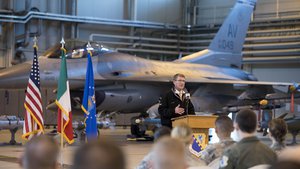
<point x="181" y="95"/>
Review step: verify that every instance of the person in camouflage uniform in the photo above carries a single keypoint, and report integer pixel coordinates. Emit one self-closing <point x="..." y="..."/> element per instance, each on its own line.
<point x="147" y="162"/>
<point x="224" y="127"/>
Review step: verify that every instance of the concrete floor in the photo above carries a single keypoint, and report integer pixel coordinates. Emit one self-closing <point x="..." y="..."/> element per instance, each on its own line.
<point x="134" y="151"/>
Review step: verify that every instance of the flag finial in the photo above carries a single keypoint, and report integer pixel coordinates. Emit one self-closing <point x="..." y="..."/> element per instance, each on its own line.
<point x="35" y="41"/>
<point x="62" y="43"/>
<point x="89" y="46"/>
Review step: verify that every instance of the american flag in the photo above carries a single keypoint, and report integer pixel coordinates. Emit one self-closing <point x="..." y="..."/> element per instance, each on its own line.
<point x="34" y="122"/>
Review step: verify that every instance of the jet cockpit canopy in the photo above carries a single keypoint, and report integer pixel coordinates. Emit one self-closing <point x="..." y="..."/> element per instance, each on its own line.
<point x="76" y="50"/>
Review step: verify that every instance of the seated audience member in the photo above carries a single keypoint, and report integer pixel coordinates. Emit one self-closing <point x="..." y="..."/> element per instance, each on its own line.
<point x="99" y="155"/>
<point x="41" y="152"/>
<point x="161" y="132"/>
<point x="224" y="127"/>
<point x="277" y="133"/>
<point x="289" y="158"/>
<point x="290" y="154"/>
<point x="184" y="133"/>
<point x="168" y="153"/>
<point x="200" y="167"/>
<point x="286" y="165"/>
<point x="249" y="151"/>
<point x="146" y="163"/>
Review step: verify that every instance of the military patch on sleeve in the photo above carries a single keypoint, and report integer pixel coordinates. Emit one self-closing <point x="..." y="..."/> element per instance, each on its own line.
<point x="224" y="161"/>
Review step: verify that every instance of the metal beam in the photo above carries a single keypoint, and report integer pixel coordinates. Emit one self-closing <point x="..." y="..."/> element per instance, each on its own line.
<point x="79" y="19"/>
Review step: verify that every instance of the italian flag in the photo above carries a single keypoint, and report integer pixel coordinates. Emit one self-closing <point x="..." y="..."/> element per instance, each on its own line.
<point x="64" y="118"/>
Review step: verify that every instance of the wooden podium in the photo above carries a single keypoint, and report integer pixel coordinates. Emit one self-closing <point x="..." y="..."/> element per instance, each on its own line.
<point x="199" y="124"/>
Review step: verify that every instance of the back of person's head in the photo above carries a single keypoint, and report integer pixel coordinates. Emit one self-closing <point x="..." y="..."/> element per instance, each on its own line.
<point x="168" y="153"/>
<point x="286" y="165"/>
<point x="278" y="129"/>
<point x="246" y="121"/>
<point x="161" y="132"/>
<point x="40" y="152"/>
<point x="182" y="132"/>
<point x="101" y="154"/>
<point x="224" y="126"/>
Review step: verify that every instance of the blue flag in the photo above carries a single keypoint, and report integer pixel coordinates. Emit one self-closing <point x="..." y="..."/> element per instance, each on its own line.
<point x="89" y="102"/>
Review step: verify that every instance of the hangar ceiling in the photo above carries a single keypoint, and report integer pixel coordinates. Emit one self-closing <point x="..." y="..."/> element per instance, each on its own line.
<point x="172" y="29"/>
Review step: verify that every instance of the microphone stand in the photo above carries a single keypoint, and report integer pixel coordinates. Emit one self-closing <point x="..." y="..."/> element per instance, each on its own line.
<point x="187" y="98"/>
<point x="187" y="107"/>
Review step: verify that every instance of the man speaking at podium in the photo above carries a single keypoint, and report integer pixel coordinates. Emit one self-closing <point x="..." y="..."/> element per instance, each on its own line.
<point x="176" y="102"/>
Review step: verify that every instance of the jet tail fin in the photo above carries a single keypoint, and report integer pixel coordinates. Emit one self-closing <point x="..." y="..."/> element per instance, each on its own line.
<point x="226" y="47"/>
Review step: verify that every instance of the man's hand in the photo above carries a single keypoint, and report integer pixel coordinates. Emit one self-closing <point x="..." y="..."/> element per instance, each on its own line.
<point x="179" y="110"/>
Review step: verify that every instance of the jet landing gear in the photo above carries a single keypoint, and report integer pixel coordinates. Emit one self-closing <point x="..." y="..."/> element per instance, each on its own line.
<point x="294" y="134"/>
<point x="12" y="138"/>
<point x="11" y="123"/>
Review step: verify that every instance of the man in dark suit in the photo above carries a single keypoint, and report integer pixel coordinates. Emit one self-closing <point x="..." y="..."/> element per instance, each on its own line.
<point x="176" y="102"/>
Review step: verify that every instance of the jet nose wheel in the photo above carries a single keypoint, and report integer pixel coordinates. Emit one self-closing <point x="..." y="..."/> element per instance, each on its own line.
<point x="294" y="134"/>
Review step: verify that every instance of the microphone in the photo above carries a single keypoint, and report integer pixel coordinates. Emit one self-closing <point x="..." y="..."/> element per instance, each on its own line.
<point x="187" y="98"/>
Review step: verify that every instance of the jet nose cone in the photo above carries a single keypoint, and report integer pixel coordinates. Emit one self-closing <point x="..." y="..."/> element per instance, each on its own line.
<point x="15" y="77"/>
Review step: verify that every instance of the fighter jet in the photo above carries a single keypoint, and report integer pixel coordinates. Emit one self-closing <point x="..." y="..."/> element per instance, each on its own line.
<point x="126" y="83"/>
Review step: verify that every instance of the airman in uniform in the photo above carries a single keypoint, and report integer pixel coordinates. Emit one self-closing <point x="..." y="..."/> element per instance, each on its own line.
<point x="224" y="127"/>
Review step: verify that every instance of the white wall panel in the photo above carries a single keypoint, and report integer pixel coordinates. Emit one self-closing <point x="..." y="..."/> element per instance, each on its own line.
<point x="166" y="11"/>
<point x="213" y="11"/>
<point x="112" y="9"/>
<point x="283" y="73"/>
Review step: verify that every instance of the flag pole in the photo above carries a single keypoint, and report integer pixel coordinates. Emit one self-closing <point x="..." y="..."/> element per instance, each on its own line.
<point x="34" y="45"/>
<point x="61" y="141"/>
<point x="61" y="122"/>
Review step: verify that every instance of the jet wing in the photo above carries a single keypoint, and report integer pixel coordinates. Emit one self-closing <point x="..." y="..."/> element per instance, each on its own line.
<point x="245" y="82"/>
<point x="209" y="76"/>
<point x="200" y="80"/>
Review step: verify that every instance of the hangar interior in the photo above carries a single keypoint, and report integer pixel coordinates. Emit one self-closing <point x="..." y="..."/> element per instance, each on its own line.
<point x="153" y="29"/>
